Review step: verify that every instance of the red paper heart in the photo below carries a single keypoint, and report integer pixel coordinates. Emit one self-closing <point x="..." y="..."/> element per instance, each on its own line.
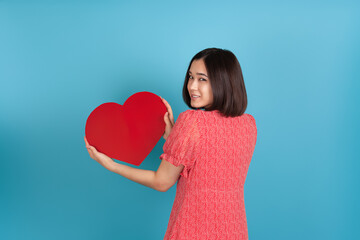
<point x="127" y="133"/>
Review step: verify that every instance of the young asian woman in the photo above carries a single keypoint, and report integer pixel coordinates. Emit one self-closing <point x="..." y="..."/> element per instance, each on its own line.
<point x="207" y="151"/>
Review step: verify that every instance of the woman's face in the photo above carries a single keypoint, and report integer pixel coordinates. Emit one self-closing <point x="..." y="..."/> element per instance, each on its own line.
<point x="199" y="85"/>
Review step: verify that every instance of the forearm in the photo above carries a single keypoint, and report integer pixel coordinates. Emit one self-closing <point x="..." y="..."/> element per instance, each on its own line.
<point x="144" y="177"/>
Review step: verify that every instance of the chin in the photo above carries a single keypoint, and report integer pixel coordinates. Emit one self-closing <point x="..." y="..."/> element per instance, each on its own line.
<point x="196" y="105"/>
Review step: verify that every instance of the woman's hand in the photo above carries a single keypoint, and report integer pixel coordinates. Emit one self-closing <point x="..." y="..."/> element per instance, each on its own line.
<point x="99" y="157"/>
<point x="168" y="118"/>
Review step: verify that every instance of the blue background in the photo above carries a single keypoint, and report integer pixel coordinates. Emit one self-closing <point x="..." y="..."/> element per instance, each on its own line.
<point x="59" y="61"/>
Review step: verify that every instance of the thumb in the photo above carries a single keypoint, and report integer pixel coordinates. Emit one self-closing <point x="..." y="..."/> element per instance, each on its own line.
<point x="92" y="148"/>
<point x="166" y="117"/>
<point x="167" y="120"/>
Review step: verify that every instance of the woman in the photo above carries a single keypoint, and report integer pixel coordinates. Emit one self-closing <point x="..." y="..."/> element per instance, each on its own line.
<point x="207" y="152"/>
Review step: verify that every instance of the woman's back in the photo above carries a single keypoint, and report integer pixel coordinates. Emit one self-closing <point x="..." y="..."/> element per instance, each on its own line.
<point x="216" y="152"/>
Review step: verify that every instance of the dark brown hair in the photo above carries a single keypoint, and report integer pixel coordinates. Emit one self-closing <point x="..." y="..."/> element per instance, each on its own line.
<point x="226" y="81"/>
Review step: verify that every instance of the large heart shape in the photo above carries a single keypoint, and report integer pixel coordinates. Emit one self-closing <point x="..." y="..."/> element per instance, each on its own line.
<point x="127" y="133"/>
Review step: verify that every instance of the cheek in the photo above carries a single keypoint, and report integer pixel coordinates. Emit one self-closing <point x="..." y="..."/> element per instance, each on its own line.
<point x="210" y="95"/>
<point x="209" y="92"/>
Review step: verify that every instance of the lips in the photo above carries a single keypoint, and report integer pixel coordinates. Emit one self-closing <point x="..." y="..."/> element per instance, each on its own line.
<point x="194" y="98"/>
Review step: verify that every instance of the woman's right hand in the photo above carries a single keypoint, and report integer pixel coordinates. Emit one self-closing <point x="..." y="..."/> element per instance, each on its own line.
<point x="168" y="118"/>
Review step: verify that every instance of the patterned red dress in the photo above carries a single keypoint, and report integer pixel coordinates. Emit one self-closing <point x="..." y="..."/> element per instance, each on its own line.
<point x="216" y="152"/>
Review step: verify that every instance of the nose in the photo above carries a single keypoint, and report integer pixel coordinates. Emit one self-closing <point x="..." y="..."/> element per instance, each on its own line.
<point x="193" y="85"/>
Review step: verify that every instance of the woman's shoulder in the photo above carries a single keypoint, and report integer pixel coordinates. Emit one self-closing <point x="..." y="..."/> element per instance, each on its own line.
<point x="190" y="115"/>
<point x="251" y="117"/>
<point x="197" y="113"/>
<point x="252" y="123"/>
<point x="191" y="112"/>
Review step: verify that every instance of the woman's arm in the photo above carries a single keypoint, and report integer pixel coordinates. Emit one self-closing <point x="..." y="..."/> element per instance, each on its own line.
<point x="144" y="177"/>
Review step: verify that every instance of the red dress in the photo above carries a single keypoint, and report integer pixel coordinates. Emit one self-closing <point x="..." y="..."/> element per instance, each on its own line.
<point x="216" y="152"/>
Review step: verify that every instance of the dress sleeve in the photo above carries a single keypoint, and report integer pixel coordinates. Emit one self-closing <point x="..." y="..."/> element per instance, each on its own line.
<point x="181" y="146"/>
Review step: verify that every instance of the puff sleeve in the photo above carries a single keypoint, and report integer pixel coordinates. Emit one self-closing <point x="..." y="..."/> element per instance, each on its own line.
<point x="181" y="146"/>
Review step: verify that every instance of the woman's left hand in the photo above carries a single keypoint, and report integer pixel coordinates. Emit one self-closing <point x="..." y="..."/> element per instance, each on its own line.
<point x="101" y="158"/>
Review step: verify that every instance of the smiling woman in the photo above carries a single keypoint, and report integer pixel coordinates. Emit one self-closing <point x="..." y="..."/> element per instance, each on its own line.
<point x="215" y="147"/>
<point x="207" y="153"/>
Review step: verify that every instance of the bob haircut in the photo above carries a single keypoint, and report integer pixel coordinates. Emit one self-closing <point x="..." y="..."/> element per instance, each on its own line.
<point x="226" y="79"/>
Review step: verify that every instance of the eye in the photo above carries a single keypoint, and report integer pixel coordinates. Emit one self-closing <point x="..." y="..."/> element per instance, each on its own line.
<point x="200" y="78"/>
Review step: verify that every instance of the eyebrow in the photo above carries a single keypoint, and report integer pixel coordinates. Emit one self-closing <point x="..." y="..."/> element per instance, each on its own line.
<point x="199" y="73"/>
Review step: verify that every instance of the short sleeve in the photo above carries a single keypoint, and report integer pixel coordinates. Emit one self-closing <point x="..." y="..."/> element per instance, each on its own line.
<point x="253" y="128"/>
<point x="181" y="146"/>
<point x="252" y="134"/>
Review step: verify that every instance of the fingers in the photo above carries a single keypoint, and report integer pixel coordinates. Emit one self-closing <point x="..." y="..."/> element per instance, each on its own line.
<point x="86" y="142"/>
<point x="90" y="149"/>
<point x="93" y="149"/>
<point x="168" y="107"/>
<point x="90" y="152"/>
